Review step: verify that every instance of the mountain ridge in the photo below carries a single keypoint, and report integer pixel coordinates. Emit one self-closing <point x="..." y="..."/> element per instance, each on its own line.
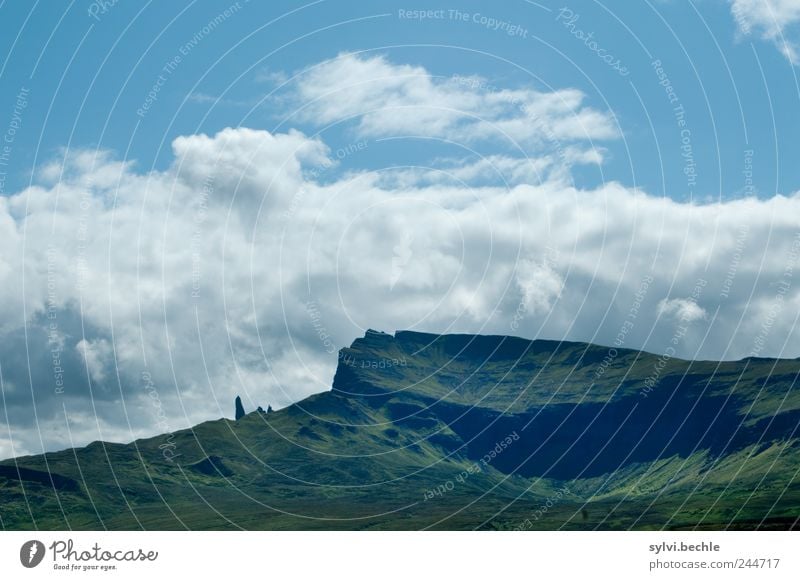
<point x="455" y="432"/>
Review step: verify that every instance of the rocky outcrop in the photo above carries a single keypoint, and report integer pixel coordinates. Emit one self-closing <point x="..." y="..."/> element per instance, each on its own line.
<point x="239" y="408"/>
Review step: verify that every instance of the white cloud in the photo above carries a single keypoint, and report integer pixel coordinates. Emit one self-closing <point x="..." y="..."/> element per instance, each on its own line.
<point x="682" y="310"/>
<point x="10" y="445"/>
<point x="271" y="77"/>
<point x="97" y="356"/>
<point x="384" y="99"/>
<point x="491" y="169"/>
<point x="540" y="285"/>
<point x="772" y="19"/>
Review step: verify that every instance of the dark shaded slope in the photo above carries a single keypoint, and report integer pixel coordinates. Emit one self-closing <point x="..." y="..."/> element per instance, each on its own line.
<point x="573" y="421"/>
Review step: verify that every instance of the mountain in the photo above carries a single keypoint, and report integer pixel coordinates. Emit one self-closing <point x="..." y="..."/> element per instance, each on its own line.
<point x="424" y="431"/>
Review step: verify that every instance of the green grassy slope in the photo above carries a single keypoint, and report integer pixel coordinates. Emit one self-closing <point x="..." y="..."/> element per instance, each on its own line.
<point x="456" y="432"/>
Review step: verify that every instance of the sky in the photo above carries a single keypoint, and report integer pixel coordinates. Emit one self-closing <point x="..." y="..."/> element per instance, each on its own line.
<point x="205" y="199"/>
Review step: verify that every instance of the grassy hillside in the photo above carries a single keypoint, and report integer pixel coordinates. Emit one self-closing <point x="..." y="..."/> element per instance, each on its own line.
<point x="456" y="432"/>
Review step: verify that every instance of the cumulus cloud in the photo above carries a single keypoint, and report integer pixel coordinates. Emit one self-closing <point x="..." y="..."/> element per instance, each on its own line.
<point x="681" y="309"/>
<point x="387" y="99"/>
<point x="239" y="270"/>
<point x="774" y="20"/>
<point x="539" y="283"/>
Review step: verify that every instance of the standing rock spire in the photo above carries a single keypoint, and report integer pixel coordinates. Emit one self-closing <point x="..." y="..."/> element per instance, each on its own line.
<point x="239" y="408"/>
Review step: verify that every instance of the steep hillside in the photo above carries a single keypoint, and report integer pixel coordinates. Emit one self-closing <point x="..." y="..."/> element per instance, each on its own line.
<point x="456" y="432"/>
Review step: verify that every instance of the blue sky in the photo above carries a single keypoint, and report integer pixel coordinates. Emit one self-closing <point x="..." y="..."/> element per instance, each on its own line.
<point x="88" y="75"/>
<point x="219" y="196"/>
